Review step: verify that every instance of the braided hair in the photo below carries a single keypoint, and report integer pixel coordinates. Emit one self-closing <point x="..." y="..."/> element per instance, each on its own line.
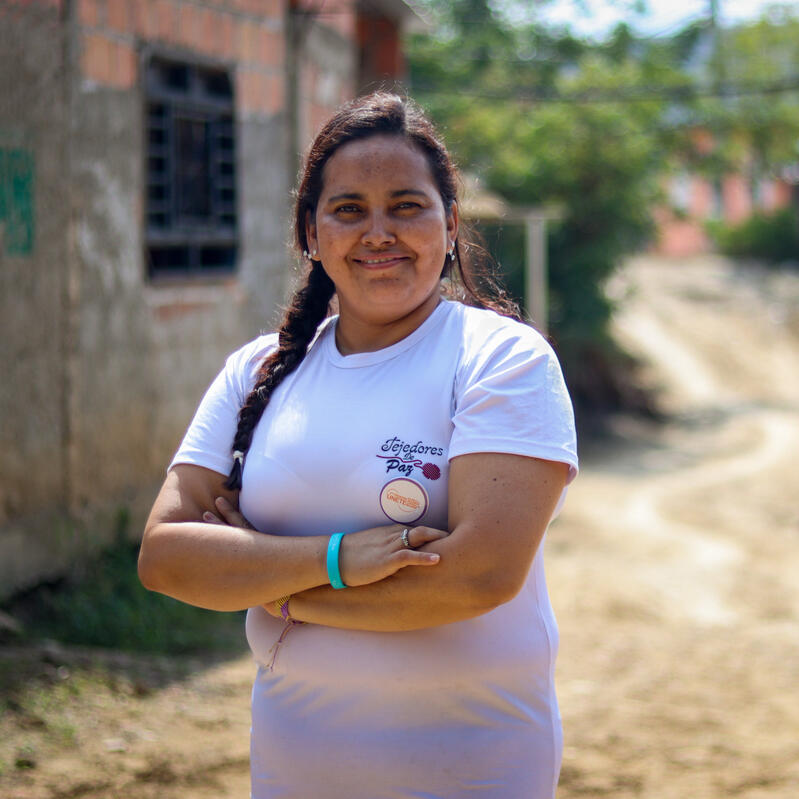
<point x="466" y="276"/>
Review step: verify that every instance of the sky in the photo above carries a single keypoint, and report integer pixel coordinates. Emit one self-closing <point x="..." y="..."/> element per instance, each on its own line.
<point x="596" y="18"/>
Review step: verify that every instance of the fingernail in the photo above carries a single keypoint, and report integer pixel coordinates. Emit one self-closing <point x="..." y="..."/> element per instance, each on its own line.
<point x="435" y="557"/>
<point x="208" y="516"/>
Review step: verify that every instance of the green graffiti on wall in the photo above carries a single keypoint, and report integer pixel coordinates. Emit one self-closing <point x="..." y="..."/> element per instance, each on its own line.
<point x="16" y="200"/>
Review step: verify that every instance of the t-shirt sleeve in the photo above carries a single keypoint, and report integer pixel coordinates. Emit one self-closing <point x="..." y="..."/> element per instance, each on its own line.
<point x="209" y="439"/>
<point x="510" y="397"/>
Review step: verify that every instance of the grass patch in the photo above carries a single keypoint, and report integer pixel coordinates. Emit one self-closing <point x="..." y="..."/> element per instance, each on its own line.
<point x="105" y="605"/>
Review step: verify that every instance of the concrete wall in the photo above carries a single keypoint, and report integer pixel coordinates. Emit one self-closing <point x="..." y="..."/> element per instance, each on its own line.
<point x="33" y="289"/>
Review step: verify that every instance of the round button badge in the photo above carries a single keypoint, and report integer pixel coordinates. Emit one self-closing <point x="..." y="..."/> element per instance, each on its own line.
<point x="404" y="501"/>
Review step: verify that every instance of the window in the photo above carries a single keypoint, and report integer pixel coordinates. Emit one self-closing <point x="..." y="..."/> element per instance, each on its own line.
<point x="191" y="224"/>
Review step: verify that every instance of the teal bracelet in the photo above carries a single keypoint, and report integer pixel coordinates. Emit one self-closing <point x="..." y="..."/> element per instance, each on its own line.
<point x="333" y="573"/>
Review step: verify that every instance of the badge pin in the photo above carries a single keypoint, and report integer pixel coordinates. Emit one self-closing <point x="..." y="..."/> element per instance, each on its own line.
<point x="403" y="500"/>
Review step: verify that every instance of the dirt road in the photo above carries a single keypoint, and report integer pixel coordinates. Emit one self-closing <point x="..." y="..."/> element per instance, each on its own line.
<point x="674" y="567"/>
<point x="673" y="571"/>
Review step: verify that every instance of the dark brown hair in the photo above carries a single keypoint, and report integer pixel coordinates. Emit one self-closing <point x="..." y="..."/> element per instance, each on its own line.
<point x="470" y="278"/>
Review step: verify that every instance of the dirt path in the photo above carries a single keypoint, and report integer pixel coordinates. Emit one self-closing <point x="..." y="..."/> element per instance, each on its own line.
<point x="673" y="568"/>
<point x="673" y="571"/>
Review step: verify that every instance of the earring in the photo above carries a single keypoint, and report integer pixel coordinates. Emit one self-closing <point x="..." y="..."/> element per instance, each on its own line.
<point x="452" y="255"/>
<point x="305" y="254"/>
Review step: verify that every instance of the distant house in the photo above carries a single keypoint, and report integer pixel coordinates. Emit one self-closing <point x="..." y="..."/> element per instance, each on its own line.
<point x="694" y="200"/>
<point x="147" y="153"/>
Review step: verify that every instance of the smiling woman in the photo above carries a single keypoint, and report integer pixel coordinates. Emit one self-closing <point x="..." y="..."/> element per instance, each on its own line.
<point x="374" y="487"/>
<point x="382" y="232"/>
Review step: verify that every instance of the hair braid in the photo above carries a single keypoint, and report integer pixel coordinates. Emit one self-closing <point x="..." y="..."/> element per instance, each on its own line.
<point x="307" y="309"/>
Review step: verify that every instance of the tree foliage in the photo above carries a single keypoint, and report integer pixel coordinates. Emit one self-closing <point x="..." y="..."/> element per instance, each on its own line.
<point x="545" y="118"/>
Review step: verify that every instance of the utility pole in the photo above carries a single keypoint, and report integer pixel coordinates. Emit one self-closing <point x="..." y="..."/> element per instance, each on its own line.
<point x="717" y="57"/>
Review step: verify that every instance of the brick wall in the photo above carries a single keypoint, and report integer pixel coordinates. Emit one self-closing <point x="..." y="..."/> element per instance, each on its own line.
<point x="247" y="33"/>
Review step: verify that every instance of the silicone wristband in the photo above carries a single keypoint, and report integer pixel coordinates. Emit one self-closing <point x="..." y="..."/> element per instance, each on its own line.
<point x="333" y="573"/>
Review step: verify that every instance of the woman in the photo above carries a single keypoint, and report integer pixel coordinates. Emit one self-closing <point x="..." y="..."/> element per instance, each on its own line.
<point x="431" y="673"/>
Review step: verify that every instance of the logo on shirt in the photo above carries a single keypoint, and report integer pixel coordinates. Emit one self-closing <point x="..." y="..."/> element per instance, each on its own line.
<point x="404" y="501"/>
<point x="403" y="457"/>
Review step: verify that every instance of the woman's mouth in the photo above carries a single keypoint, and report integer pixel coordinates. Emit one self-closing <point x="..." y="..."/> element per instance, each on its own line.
<point x="380" y="261"/>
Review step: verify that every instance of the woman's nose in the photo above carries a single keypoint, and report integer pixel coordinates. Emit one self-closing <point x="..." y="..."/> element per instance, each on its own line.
<point x="378" y="232"/>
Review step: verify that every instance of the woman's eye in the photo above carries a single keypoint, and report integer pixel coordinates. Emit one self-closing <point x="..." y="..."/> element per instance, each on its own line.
<point x="348" y="209"/>
<point x="408" y="205"/>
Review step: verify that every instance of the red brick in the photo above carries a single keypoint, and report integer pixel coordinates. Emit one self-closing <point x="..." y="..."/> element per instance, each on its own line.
<point x="167" y="21"/>
<point x="270" y="9"/>
<point x="124" y="65"/>
<point x="96" y="57"/>
<point x="270" y="48"/>
<point x="186" y="34"/>
<point x="207" y="30"/>
<point x="88" y="13"/>
<point x="247" y="47"/>
<point x="226" y="39"/>
<point x="117" y="15"/>
<point x="143" y="18"/>
<point x="258" y="93"/>
<point x="218" y="33"/>
<point x="108" y="62"/>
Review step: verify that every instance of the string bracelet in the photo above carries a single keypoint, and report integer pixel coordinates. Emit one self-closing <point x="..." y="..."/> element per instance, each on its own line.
<point x="282" y="607"/>
<point x="333" y="573"/>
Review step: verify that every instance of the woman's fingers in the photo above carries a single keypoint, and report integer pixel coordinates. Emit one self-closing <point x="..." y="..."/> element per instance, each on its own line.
<point x="210" y="518"/>
<point x="412" y="557"/>
<point x="419" y="536"/>
<point x="231" y="515"/>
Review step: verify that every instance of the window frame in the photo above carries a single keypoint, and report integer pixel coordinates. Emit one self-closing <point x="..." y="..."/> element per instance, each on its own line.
<point x="179" y="245"/>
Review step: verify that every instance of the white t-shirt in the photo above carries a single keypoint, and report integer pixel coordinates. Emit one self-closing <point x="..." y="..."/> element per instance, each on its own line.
<point x="352" y="442"/>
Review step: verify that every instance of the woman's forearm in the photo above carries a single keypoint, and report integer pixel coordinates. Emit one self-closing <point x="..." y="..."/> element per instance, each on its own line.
<point x="228" y="568"/>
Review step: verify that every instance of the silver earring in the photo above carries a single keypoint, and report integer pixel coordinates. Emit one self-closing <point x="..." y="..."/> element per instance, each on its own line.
<point x="452" y="255"/>
<point x="305" y="254"/>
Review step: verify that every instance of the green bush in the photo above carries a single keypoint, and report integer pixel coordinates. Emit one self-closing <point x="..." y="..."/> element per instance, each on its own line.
<point x="105" y="605"/>
<point x="770" y="237"/>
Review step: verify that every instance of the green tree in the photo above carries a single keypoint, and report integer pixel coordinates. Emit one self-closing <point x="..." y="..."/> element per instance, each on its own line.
<point x="534" y="114"/>
<point x="544" y="117"/>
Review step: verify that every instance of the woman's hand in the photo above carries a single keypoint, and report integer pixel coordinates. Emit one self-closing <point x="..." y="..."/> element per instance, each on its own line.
<point x="372" y="555"/>
<point x="366" y="556"/>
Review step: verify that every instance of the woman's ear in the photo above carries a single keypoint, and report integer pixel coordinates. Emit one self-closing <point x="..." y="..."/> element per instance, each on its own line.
<point x="452" y="222"/>
<point x="310" y="231"/>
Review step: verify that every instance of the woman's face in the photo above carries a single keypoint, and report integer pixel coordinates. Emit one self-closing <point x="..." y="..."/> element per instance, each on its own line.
<point x="381" y="230"/>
